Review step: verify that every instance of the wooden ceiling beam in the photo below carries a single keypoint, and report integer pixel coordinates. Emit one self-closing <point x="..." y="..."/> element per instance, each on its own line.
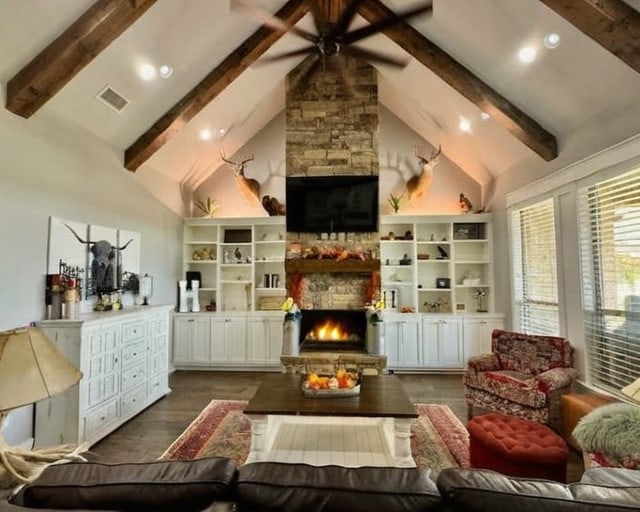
<point x="514" y="120"/>
<point x="70" y="52"/>
<point x="210" y="86"/>
<point x="613" y="24"/>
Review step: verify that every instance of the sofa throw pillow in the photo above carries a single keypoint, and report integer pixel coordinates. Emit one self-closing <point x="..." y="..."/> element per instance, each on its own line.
<point x="613" y="430"/>
<point x="153" y="486"/>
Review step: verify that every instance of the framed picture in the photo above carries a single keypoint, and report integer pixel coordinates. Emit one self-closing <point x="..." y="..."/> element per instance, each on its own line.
<point x="237" y="236"/>
<point x="443" y="282"/>
<point x="461" y="306"/>
<point x="466" y="231"/>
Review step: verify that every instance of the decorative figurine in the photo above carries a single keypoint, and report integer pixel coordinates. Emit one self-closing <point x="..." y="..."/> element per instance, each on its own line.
<point x="465" y="204"/>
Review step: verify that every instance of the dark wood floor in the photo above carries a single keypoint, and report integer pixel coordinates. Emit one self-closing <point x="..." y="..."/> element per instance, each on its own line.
<point x="145" y="437"/>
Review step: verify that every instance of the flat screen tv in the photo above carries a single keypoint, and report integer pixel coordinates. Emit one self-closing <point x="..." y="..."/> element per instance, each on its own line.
<point x="332" y="204"/>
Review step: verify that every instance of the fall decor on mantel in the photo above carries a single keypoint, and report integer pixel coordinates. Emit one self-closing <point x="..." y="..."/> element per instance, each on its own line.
<point x="308" y="266"/>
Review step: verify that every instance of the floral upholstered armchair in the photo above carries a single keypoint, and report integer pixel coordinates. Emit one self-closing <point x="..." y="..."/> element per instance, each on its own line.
<point x="524" y="376"/>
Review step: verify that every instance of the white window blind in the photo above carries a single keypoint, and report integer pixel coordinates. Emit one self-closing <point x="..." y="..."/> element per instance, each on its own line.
<point x="534" y="269"/>
<point x="609" y="216"/>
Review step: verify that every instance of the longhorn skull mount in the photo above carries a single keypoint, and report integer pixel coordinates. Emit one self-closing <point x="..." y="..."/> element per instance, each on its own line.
<point x="104" y="252"/>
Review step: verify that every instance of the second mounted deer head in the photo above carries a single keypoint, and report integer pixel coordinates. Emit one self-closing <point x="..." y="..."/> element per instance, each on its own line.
<point x="418" y="186"/>
<point x="249" y="188"/>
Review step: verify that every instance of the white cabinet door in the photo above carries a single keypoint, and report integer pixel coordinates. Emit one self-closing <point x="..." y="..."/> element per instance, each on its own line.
<point x="265" y="340"/>
<point x="191" y="340"/>
<point x="236" y="337"/>
<point x="430" y="343"/>
<point x="392" y="343"/>
<point x="228" y="340"/>
<point x="477" y="334"/>
<point x="450" y="339"/>
<point x="401" y="341"/>
<point x="442" y="345"/>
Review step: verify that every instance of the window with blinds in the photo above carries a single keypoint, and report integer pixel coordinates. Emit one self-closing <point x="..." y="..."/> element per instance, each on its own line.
<point x="609" y="216"/>
<point x="535" y="270"/>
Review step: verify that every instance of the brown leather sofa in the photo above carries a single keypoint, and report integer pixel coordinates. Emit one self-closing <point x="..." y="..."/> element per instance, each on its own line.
<point x="215" y="484"/>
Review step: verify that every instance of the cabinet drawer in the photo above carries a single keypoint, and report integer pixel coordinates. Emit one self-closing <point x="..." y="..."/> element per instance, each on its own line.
<point x="157" y="385"/>
<point x="102" y="388"/>
<point x="101" y="418"/>
<point x="133" y="376"/>
<point x="133" y="400"/>
<point x="159" y="325"/>
<point x="133" y="330"/>
<point x="133" y="352"/>
<point x="157" y="363"/>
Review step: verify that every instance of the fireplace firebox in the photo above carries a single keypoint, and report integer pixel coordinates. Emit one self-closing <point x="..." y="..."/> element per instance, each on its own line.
<point x="330" y="330"/>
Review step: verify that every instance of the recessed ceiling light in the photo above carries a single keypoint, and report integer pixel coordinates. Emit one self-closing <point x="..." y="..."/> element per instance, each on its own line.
<point x="165" y="71"/>
<point x="527" y="54"/>
<point x="147" y="72"/>
<point x="464" y="125"/>
<point x="552" y="40"/>
<point x="484" y="116"/>
<point x="206" y="134"/>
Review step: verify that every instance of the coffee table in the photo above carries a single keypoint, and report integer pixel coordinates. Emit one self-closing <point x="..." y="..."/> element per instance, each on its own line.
<point x="371" y="429"/>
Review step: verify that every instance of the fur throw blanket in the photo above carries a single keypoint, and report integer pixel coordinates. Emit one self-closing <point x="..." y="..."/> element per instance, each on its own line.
<point x="613" y="430"/>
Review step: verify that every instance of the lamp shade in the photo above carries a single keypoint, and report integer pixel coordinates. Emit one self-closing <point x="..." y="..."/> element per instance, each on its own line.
<point x="31" y="368"/>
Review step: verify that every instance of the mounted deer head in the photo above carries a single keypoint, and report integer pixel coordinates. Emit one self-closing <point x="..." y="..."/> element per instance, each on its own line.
<point x="249" y="188"/>
<point x="419" y="185"/>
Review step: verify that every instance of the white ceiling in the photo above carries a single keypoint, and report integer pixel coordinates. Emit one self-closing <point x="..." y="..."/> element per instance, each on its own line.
<point x="575" y="88"/>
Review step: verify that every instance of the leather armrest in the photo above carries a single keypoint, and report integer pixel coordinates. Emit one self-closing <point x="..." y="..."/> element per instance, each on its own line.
<point x="477" y="490"/>
<point x="158" y="486"/>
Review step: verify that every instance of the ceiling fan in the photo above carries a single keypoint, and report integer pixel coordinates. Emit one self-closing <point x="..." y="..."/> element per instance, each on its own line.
<point x="333" y="39"/>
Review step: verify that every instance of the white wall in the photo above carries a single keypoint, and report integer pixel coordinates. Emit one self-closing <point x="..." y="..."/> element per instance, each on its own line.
<point x="397" y="165"/>
<point x="50" y="169"/>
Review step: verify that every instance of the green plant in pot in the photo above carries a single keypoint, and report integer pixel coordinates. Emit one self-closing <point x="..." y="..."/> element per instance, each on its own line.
<point x="395" y="202"/>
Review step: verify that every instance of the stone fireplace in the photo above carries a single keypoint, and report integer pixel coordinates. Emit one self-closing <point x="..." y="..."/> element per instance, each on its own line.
<point x="332" y="129"/>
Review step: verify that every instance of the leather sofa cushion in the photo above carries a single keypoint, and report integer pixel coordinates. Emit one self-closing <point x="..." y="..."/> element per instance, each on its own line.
<point x="153" y="486"/>
<point x="476" y="490"/>
<point x="269" y="486"/>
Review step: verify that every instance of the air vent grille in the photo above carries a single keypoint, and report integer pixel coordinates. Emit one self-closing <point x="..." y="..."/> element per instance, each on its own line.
<point x="113" y="99"/>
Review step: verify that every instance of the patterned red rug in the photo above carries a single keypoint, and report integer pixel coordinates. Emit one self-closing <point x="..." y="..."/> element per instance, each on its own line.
<point x="438" y="438"/>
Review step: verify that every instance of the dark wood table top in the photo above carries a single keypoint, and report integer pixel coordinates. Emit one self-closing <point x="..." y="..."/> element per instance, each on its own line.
<point x="380" y="396"/>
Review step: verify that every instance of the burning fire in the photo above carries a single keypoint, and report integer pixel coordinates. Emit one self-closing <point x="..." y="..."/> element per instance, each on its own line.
<point x="330" y="331"/>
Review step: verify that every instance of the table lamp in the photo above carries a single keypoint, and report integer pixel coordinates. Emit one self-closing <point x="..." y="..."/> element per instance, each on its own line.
<point x="31" y="369"/>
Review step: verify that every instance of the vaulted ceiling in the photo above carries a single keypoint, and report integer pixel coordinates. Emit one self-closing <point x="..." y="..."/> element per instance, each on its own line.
<point x="55" y="56"/>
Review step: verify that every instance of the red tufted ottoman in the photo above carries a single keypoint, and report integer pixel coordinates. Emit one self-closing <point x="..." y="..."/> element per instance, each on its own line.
<point x="517" y="447"/>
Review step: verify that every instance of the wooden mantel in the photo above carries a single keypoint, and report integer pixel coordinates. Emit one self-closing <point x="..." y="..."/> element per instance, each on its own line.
<point x="310" y="266"/>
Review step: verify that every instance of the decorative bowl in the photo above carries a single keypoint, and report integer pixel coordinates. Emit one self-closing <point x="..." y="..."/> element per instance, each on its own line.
<point x="339" y="384"/>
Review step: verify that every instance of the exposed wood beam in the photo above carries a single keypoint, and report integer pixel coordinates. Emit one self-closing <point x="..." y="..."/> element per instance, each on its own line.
<point x="611" y="23"/>
<point x="464" y="81"/>
<point x="71" y="51"/>
<point x="212" y="85"/>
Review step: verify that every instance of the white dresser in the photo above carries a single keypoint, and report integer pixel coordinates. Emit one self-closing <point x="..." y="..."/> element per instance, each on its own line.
<point x="123" y="356"/>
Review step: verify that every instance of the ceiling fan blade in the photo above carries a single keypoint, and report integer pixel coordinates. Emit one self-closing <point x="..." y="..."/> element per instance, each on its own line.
<point x="287" y="55"/>
<point x="307" y="68"/>
<point x="369" y="30"/>
<point x="368" y="55"/>
<point x="318" y="16"/>
<point x="345" y="18"/>
<point x="270" y="20"/>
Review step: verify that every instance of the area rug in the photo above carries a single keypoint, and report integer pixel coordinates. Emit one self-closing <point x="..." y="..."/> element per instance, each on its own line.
<point x="438" y="438"/>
